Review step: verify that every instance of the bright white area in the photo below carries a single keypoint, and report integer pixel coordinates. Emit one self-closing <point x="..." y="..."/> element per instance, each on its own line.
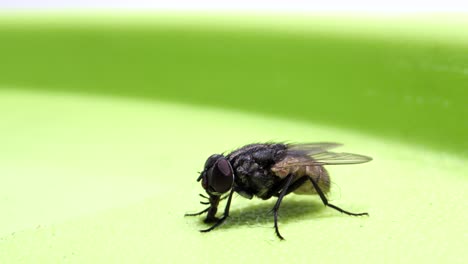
<point x="391" y="6"/>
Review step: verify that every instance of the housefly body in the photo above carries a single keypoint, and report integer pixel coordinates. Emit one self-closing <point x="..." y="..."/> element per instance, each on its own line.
<point x="270" y="170"/>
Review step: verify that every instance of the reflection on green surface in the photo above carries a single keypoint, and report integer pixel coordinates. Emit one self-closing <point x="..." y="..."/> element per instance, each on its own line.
<point x="92" y="179"/>
<point x="405" y="84"/>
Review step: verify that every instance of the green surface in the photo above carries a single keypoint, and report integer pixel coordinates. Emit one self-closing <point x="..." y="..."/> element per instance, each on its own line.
<point x="105" y="127"/>
<point x="109" y="180"/>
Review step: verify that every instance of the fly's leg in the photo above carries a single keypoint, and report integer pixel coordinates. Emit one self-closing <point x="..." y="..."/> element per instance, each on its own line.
<point x="224" y="197"/>
<point x="326" y="203"/>
<point x="276" y="189"/>
<point x="206" y="197"/>
<point x="324" y="199"/>
<point x="203" y="196"/>
<point x="210" y="217"/>
<point x="225" y="215"/>
<point x="213" y="202"/>
<point x="199" y="213"/>
<point x="298" y="183"/>
<point x="278" y="203"/>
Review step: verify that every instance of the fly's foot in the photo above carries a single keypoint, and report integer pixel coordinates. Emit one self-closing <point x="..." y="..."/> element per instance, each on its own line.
<point x="218" y="222"/>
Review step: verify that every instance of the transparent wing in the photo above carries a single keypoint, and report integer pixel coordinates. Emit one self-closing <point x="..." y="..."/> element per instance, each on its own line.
<point x="318" y="154"/>
<point x="312" y="148"/>
<point x="334" y="158"/>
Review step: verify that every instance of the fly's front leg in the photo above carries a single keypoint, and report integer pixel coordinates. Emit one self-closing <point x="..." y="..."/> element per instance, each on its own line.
<point x="199" y="213"/>
<point x="225" y="215"/>
<point x="210" y="217"/>
<point x="213" y="201"/>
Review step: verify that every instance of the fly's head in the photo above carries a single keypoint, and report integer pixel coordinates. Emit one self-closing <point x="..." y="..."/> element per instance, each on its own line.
<point x="217" y="177"/>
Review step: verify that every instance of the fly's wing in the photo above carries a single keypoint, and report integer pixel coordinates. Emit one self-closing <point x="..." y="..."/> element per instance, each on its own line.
<point x="312" y="148"/>
<point x="319" y="155"/>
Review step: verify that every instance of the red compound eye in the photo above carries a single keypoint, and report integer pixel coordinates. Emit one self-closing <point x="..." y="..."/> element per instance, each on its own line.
<point x="220" y="176"/>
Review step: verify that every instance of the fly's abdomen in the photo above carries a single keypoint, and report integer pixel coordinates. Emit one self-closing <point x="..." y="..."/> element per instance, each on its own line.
<point x="284" y="168"/>
<point x="320" y="175"/>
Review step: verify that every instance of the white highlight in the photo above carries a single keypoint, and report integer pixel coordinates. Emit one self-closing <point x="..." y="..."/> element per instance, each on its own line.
<point x="385" y="6"/>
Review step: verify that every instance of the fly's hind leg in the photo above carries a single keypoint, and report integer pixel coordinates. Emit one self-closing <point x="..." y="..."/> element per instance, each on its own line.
<point x="288" y="187"/>
<point x="326" y="203"/>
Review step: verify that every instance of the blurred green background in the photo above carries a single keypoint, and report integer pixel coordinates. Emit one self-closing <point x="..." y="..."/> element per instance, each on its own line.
<point x="387" y="80"/>
<point x="107" y="117"/>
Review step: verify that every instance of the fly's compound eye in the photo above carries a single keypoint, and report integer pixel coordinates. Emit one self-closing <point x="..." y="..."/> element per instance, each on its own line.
<point x="212" y="160"/>
<point x="220" y="176"/>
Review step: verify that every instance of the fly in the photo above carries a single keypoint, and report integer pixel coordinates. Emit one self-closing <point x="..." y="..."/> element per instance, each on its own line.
<point x="269" y="170"/>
